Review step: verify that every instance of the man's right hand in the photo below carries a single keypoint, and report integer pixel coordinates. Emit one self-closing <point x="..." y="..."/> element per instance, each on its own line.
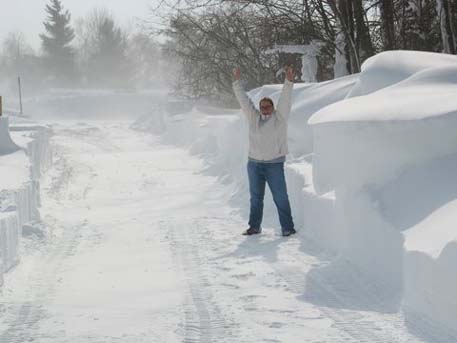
<point x="290" y="73"/>
<point x="236" y="74"/>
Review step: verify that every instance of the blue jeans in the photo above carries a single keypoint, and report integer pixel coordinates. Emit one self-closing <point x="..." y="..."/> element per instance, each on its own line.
<point x="273" y="174"/>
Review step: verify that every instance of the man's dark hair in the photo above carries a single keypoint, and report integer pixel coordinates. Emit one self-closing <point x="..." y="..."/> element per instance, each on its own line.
<point x="267" y="100"/>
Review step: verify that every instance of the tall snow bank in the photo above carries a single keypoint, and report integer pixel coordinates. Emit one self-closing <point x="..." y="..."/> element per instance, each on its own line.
<point x="389" y="157"/>
<point x="10" y="235"/>
<point x="422" y="203"/>
<point x="314" y="214"/>
<point x="14" y="185"/>
<point x="19" y="187"/>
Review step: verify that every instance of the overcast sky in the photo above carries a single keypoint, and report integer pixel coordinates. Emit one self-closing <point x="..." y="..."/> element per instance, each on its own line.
<point x="28" y="15"/>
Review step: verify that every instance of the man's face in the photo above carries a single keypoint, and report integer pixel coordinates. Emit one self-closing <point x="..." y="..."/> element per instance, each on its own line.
<point x="266" y="108"/>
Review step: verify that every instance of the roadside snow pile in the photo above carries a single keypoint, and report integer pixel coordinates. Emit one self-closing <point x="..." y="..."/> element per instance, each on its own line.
<point x="19" y="185"/>
<point x="422" y="203"/>
<point x="389" y="156"/>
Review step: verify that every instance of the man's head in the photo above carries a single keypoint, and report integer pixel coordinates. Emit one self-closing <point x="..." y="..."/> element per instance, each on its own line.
<point x="266" y="106"/>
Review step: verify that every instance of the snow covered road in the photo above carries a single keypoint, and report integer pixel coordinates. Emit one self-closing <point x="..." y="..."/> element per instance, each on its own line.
<point x="143" y="247"/>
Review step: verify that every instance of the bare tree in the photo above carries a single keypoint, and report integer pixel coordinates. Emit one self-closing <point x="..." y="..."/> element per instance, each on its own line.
<point x="387" y="16"/>
<point x="208" y="36"/>
<point x="15" y="50"/>
<point x="103" y="50"/>
<point x="19" y="59"/>
<point x="145" y="56"/>
<point x="443" y="9"/>
<point x="209" y="45"/>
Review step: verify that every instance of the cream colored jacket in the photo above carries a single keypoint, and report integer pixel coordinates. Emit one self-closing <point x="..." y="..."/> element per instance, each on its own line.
<point x="267" y="138"/>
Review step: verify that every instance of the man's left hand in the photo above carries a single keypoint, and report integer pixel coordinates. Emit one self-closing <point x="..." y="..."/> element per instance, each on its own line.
<point x="290" y="73"/>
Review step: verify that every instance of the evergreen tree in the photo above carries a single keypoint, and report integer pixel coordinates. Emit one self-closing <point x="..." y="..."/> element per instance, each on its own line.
<point x="59" y="55"/>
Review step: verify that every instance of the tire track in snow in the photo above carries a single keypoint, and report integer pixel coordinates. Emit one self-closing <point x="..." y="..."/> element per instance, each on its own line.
<point x="23" y="318"/>
<point x="204" y="322"/>
<point x="354" y="325"/>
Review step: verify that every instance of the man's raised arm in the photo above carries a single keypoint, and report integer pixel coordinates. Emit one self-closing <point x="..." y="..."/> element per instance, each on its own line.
<point x="285" y="99"/>
<point x="246" y="104"/>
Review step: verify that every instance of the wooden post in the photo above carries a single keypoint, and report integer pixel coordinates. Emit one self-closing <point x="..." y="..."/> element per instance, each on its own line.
<point x="20" y="94"/>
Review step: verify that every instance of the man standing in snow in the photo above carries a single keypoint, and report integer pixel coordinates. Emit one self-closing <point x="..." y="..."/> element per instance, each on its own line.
<point x="267" y="152"/>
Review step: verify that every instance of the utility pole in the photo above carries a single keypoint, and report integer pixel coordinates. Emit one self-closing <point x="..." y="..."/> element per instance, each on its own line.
<point x="20" y="94"/>
<point x="1" y="106"/>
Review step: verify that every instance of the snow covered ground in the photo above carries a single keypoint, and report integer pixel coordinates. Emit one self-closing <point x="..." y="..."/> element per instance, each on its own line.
<point x="143" y="220"/>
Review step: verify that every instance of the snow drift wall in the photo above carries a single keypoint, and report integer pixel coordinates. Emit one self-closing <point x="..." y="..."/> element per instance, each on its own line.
<point x="10" y="234"/>
<point x="402" y="122"/>
<point x="19" y="188"/>
<point x="428" y="226"/>
<point x="314" y="214"/>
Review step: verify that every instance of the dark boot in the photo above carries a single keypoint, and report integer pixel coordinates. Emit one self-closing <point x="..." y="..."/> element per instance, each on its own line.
<point x="288" y="232"/>
<point x="252" y="231"/>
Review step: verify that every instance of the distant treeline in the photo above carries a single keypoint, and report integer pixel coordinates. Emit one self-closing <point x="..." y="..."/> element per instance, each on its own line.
<point x="90" y="52"/>
<point x="205" y="39"/>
